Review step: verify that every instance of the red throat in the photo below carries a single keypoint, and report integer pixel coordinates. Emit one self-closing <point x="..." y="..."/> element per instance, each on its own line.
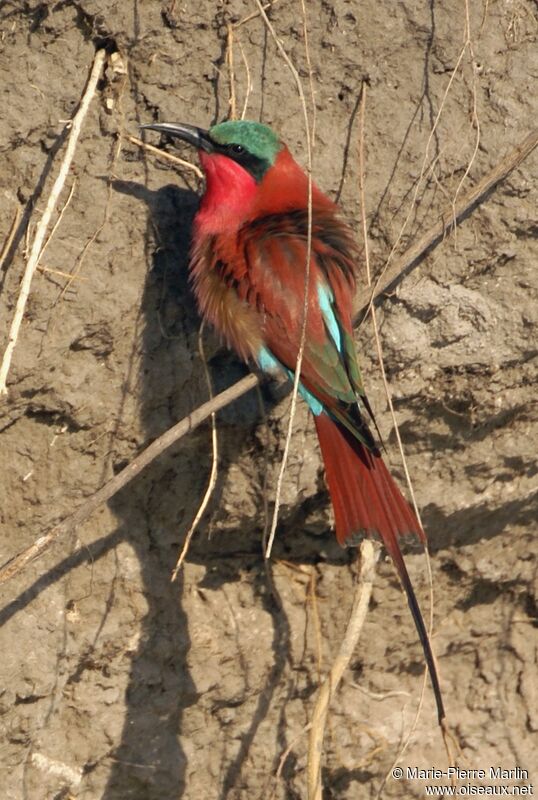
<point x="229" y="196"/>
<point x="232" y="194"/>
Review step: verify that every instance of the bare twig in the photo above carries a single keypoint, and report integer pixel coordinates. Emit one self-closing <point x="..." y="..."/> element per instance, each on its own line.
<point x="285" y="755"/>
<point x="423" y="168"/>
<point x="475" y="121"/>
<point x="164" y="155"/>
<point x="379" y="696"/>
<point x="82" y="255"/>
<point x="310" y="70"/>
<point x="454" y="213"/>
<point x="289" y="748"/>
<point x="400" y="268"/>
<point x="298" y="363"/>
<point x="119" y="66"/>
<point x="248" y="90"/>
<point x="16" y="564"/>
<point x="388" y="395"/>
<point x="59" y="220"/>
<point x="231" y="73"/>
<point x="11" y="235"/>
<point x="369" y="555"/>
<point x="67" y="275"/>
<point x="312" y="586"/>
<point x="75" y="126"/>
<point x="255" y="14"/>
<point x="214" y="464"/>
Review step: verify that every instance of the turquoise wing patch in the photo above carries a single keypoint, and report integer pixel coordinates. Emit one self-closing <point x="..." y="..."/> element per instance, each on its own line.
<point x="272" y="366"/>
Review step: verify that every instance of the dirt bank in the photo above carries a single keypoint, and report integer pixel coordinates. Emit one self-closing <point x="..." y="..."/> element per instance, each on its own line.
<point x="115" y="683"/>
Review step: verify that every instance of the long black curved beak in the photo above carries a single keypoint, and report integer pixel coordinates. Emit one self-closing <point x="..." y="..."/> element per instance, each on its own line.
<point x="188" y="133"/>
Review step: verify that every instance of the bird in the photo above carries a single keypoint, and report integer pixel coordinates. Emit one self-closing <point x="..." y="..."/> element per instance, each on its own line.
<point x="252" y="235"/>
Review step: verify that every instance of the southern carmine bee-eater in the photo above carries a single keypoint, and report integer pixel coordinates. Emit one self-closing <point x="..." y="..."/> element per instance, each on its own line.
<point x="248" y="270"/>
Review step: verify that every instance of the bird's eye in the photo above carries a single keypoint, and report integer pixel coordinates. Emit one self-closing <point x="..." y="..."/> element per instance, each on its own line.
<point x="237" y="149"/>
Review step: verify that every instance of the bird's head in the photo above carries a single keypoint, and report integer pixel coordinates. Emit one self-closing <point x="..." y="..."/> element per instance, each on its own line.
<point x="247" y="168"/>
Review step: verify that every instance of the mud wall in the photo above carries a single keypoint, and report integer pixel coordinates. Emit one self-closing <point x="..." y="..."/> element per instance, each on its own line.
<point x="115" y="682"/>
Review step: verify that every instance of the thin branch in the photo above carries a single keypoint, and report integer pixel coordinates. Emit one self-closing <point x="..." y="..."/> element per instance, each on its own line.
<point x="255" y="14"/>
<point x="369" y="554"/>
<point x="59" y="220"/>
<point x="310" y="71"/>
<point x="475" y="121"/>
<point x="67" y="275"/>
<point x="298" y="363"/>
<point x="75" y="126"/>
<point x="388" y="395"/>
<point x="162" y="154"/>
<point x="82" y="255"/>
<point x="447" y="219"/>
<point x="400" y="268"/>
<point x="11" y="235"/>
<point x="248" y="90"/>
<point x="120" y="69"/>
<point x="214" y="464"/>
<point x="379" y="696"/>
<point x="285" y="755"/>
<point x="16" y="564"/>
<point x="231" y="73"/>
<point x="312" y="585"/>
<point x="424" y="166"/>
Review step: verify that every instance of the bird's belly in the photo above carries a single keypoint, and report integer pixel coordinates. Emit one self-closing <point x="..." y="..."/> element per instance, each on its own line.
<point x="233" y="318"/>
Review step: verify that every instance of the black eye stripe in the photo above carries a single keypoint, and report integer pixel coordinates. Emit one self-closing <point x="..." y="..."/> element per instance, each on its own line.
<point x="253" y="164"/>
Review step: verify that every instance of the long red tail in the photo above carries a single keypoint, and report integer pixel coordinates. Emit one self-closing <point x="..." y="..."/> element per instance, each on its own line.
<point x="367" y="502"/>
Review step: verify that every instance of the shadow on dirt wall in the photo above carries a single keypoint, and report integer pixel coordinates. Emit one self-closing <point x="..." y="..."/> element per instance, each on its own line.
<point x="150" y="763"/>
<point x="157" y="508"/>
<point x="156" y="511"/>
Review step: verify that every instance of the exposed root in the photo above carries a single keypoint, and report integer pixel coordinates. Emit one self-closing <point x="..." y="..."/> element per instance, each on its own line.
<point x="369" y="553"/>
<point x="75" y="127"/>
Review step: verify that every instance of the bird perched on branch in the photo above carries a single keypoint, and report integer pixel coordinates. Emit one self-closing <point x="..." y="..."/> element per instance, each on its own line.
<point x="252" y="242"/>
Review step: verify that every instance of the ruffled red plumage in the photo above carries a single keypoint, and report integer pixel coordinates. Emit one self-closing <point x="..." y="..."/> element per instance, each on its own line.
<point x="248" y="271"/>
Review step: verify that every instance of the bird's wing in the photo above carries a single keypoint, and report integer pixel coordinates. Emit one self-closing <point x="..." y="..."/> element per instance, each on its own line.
<point x="268" y="271"/>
